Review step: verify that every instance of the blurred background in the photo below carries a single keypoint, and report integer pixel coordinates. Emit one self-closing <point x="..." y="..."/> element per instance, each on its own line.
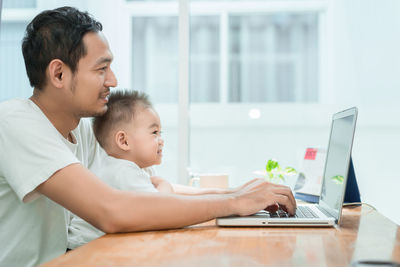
<point x="265" y="78"/>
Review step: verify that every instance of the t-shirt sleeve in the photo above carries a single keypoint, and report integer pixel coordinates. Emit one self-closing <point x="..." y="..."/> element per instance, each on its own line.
<point x="32" y="150"/>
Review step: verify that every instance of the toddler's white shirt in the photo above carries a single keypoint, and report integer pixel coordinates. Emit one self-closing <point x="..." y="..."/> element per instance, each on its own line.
<point x="120" y="174"/>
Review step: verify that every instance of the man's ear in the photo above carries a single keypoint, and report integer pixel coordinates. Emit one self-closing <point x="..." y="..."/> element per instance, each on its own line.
<point x="121" y="139"/>
<point x="56" y="70"/>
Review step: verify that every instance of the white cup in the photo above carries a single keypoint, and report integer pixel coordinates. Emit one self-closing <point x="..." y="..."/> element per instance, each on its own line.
<point x="211" y="180"/>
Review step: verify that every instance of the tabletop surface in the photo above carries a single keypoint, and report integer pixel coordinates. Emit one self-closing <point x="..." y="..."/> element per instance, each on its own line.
<point x="364" y="234"/>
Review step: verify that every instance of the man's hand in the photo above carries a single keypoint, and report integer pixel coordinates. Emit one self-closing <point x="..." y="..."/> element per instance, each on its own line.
<point x="272" y="208"/>
<point x="161" y="185"/>
<point x="259" y="194"/>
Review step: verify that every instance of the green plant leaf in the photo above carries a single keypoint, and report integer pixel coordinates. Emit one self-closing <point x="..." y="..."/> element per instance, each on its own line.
<point x="275" y="171"/>
<point x="271" y="164"/>
<point x="290" y="170"/>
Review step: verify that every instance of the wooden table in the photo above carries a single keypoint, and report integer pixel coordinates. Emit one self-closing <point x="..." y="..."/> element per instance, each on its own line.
<point x="363" y="234"/>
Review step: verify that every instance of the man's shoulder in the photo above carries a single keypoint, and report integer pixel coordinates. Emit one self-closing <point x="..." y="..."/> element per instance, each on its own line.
<point x="17" y="110"/>
<point x="14" y="105"/>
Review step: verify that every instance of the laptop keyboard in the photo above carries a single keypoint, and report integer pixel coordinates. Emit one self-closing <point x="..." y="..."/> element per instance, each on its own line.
<point x="301" y="212"/>
<point x="305" y="212"/>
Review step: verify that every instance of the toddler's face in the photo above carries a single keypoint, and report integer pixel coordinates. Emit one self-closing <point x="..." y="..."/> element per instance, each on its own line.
<point x="144" y="137"/>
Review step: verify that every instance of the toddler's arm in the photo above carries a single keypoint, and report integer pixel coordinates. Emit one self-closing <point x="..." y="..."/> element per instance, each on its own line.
<point x="161" y="185"/>
<point x="189" y="190"/>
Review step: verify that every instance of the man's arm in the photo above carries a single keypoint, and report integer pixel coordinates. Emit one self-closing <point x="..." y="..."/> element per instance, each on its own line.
<point x="110" y="210"/>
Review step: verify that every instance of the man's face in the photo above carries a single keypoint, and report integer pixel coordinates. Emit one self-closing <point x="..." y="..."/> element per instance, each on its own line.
<point x="144" y="138"/>
<point x="90" y="84"/>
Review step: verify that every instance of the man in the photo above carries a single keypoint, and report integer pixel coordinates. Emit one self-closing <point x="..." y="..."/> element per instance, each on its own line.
<point x="46" y="150"/>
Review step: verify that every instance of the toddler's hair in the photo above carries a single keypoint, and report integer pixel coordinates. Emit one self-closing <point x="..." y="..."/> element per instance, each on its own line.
<point x="122" y="106"/>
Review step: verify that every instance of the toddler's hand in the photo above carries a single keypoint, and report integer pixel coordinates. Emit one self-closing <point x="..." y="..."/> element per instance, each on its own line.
<point x="162" y="185"/>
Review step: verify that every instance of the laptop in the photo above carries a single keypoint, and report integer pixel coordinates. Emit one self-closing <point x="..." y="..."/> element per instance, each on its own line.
<point x="327" y="211"/>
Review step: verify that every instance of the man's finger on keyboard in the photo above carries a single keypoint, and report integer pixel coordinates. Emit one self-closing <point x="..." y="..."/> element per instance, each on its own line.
<point x="272" y="208"/>
<point x="284" y="200"/>
<point x="283" y="207"/>
<point x="286" y="191"/>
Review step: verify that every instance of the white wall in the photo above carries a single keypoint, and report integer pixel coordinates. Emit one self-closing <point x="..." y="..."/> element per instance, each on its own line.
<point x="366" y="51"/>
<point x="366" y="72"/>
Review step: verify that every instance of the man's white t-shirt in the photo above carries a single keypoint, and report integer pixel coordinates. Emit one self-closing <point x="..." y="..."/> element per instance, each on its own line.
<point x="120" y="174"/>
<point x="33" y="229"/>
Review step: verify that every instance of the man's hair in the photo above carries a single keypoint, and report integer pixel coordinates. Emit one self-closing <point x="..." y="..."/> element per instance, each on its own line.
<point x="122" y="107"/>
<point x="55" y="34"/>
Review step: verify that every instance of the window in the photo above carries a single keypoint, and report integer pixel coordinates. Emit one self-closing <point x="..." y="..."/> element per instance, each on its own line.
<point x="155" y="57"/>
<point x="273" y="58"/>
<point x="234" y="57"/>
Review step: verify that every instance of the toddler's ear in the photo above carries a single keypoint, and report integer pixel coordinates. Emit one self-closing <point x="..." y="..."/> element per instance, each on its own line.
<point x="121" y="139"/>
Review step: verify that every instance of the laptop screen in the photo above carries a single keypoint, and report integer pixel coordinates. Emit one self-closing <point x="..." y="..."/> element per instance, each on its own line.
<point x="337" y="161"/>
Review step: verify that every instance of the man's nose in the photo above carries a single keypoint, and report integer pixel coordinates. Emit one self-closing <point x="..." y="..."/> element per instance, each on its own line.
<point x="111" y="80"/>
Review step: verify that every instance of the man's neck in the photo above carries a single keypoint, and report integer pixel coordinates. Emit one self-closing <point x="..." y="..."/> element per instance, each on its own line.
<point x="61" y="119"/>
